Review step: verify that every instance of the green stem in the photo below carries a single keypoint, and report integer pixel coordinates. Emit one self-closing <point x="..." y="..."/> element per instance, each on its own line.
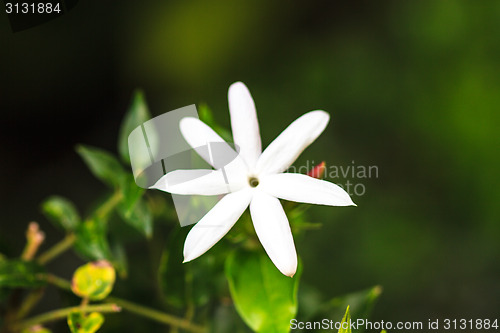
<point x="155" y="315"/>
<point x="158" y="316"/>
<point x="29" y="302"/>
<point x="58" y="282"/>
<point x="60" y="247"/>
<point x="109" y="205"/>
<point x="62" y="313"/>
<point x="68" y="241"/>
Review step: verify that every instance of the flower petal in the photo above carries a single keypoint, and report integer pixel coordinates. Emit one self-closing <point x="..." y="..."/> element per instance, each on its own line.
<point x="208" y="144"/>
<point x="199" y="182"/>
<point x="285" y="149"/>
<point x="216" y="223"/>
<point x="273" y="230"/>
<point x="302" y="188"/>
<point x="244" y="123"/>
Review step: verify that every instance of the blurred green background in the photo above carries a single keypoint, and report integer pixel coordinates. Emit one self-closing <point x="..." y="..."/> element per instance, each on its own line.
<point x="412" y="87"/>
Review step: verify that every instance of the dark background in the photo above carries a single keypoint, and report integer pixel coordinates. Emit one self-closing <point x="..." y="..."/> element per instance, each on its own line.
<point x="412" y="87"/>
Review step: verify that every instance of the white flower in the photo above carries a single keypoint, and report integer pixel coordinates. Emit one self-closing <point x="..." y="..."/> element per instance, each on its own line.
<point x="253" y="178"/>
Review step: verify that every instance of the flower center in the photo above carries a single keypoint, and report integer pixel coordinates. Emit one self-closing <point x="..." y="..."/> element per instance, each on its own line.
<point x="253" y="181"/>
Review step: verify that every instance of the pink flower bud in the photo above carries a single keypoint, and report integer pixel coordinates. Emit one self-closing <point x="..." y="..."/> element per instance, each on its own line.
<point x="318" y="171"/>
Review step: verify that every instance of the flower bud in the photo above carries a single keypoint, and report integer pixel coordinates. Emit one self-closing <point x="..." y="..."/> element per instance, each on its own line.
<point x="34" y="238"/>
<point x="318" y="171"/>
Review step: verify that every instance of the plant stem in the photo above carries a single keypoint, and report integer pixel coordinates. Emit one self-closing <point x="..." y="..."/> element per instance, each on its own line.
<point x="158" y="316"/>
<point x="68" y="241"/>
<point x="155" y="315"/>
<point x="58" y="282"/>
<point x="109" y="205"/>
<point x="29" y="302"/>
<point x="62" y="313"/>
<point x="60" y="247"/>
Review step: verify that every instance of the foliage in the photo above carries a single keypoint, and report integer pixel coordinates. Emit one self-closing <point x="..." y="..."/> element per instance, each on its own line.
<point x="61" y="212"/>
<point x="94" y="280"/>
<point x="345" y="326"/>
<point x="232" y="288"/>
<point x="18" y="273"/>
<point x="265" y="298"/>
<point x="80" y="323"/>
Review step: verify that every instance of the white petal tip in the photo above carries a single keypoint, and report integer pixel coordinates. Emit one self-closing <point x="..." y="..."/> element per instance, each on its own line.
<point x="158" y="185"/>
<point x="350" y="202"/>
<point x="321" y="113"/>
<point x="186" y="124"/>
<point x="238" y="92"/>
<point x="190" y="257"/>
<point x="237" y="85"/>
<point x="288" y="270"/>
<point x="289" y="273"/>
<point x="343" y="200"/>
<point x="347" y="201"/>
<point x="187" y="120"/>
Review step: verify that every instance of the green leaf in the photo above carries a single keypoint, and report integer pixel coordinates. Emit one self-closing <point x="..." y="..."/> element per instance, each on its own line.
<point x="345" y="324"/>
<point x="139" y="216"/>
<point x="18" y="273"/>
<point x="137" y="114"/>
<point x="264" y="298"/>
<point x="61" y="212"/>
<point x="94" y="280"/>
<point x="103" y="165"/>
<point x="131" y="193"/>
<point x="79" y="323"/>
<point x="360" y="304"/>
<point x="91" y="240"/>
